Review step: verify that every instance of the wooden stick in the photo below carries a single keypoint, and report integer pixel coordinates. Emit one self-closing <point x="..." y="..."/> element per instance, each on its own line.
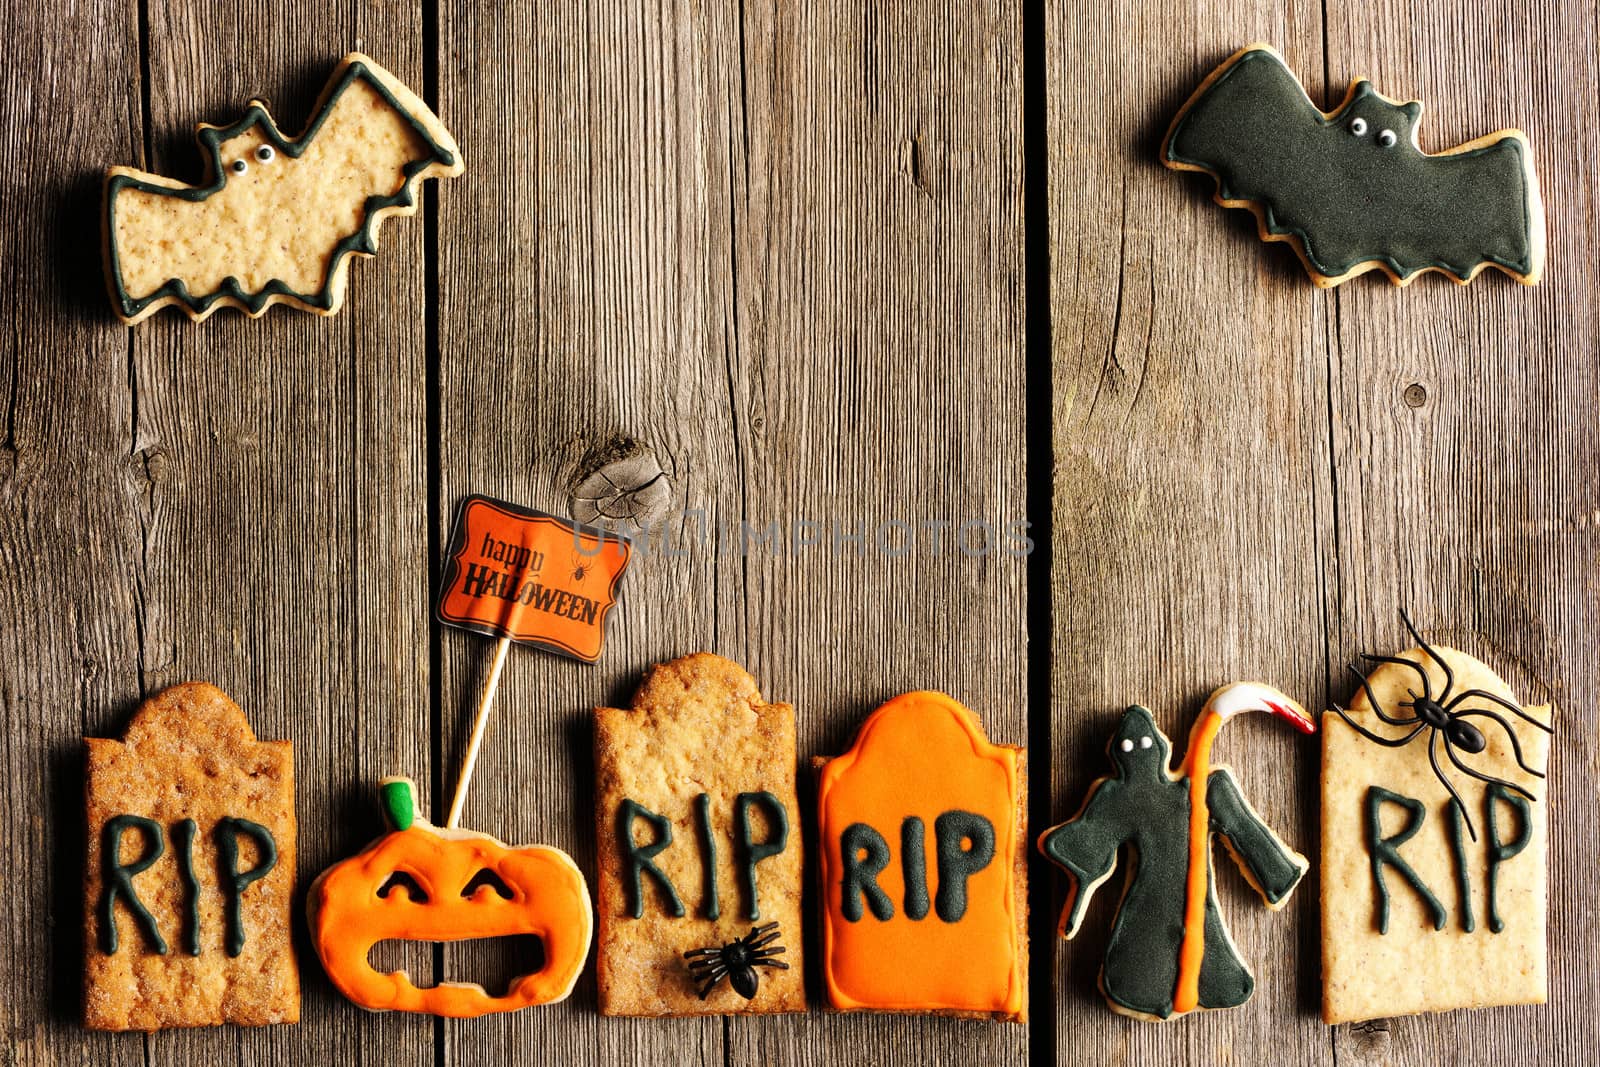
<point x="485" y="703"/>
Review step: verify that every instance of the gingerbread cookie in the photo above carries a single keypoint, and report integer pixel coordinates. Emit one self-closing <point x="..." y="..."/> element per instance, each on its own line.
<point x="700" y="847"/>
<point x="1434" y="834"/>
<point x="924" y="876"/>
<point x="1169" y="951"/>
<point x="275" y="219"/>
<point x="1350" y="189"/>
<point x="421" y="882"/>
<point x="191" y="870"/>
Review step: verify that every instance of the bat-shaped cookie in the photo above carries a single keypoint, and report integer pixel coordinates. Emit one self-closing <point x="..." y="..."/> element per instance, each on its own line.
<point x="276" y="220"/>
<point x="1350" y="189"/>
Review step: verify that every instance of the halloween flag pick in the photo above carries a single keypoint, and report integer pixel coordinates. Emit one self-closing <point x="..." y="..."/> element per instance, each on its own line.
<point x="522" y="575"/>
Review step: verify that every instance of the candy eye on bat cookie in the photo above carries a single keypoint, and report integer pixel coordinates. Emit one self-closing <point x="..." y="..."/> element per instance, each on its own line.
<point x="1441" y="717"/>
<point x="736" y="961"/>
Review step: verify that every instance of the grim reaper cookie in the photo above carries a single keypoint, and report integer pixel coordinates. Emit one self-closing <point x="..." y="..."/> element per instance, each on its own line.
<point x="191" y="870"/>
<point x="1433" y="840"/>
<point x="276" y="219"/>
<point x="1169" y="951"/>
<point x="700" y="847"/>
<point x="1350" y="189"/>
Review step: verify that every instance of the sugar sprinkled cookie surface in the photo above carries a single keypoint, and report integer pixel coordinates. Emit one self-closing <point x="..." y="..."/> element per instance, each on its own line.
<point x="923" y="866"/>
<point x="188" y="919"/>
<point x="276" y="219"/>
<point x="699" y="841"/>
<point x="1417" y="914"/>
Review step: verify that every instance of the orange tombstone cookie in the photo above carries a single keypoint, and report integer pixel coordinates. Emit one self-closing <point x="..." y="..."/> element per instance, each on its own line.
<point x="423" y="883"/>
<point x="923" y="866"/>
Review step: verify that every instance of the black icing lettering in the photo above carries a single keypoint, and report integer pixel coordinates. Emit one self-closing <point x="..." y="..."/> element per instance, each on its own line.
<point x="756" y="851"/>
<point x="116" y="879"/>
<point x="1386" y="851"/>
<point x="914" y="867"/>
<point x="640" y="859"/>
<point x="235" y="881"/>
<point x="1501" y="850"/>
<point x="1458" y="858"/>
<point x="966" y="846"/>
<point x="183" y="834"/>
<point x="863" y="854"/>
<point x="708" y="854"/>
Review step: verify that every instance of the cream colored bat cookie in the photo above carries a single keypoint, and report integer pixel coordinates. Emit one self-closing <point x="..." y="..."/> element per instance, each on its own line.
<point x="276" y="220"/>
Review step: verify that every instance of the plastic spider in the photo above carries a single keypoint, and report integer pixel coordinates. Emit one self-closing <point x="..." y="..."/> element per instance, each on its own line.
<point x="736" y="961"/>
<point x="1439" y="715"/>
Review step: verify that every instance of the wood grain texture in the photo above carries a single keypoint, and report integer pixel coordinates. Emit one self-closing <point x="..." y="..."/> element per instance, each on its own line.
<point x="785" y="252"/>
<point x="1249" y="485"/>
<point x="1471" y="502"/>
<point x="1191" y="487"/>
<point x="71" y="506"/>
<point x="239" y="499"/>
<point x="783" y="246"/>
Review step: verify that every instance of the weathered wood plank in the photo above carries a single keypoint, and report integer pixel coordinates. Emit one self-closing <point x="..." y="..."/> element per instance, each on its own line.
<point x="879" y="320"/>
<point x="71" y="500"/>
<point x="578" y="299"/>
<point x="1192" y="492"/>
<point x="1465" y="451"/>
<point x="254" y="504"/>
<point x="787" y="255"/>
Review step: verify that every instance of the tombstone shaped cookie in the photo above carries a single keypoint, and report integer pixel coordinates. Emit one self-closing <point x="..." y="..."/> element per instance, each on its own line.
<point x="699" y="845"/>
<point x="1434" y="808"/>
<point x="924" y="880"/>
<point x="191" y="869"/>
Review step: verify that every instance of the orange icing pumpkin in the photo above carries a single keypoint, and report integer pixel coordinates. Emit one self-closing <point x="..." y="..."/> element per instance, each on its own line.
<point x="923" y="885"/>
<point x="548" y="899"/>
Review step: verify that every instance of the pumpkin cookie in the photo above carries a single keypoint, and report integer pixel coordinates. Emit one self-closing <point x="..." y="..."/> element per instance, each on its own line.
<point x="421" y="882"/>
<point x="700" y="847"/>
<point x="191" y="869"/>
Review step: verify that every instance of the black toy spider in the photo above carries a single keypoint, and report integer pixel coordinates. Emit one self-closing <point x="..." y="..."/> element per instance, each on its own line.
<point x="1440" y="715"/>
<point x="737" y="961"/>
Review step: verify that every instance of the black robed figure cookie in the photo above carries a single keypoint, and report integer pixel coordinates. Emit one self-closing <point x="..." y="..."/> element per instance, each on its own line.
<point x="1147" y="806"/>
<point x="1350" y="188"/>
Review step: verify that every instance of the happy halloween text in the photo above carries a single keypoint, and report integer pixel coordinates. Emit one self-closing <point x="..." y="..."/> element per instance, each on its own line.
<point x="487" y="580"/>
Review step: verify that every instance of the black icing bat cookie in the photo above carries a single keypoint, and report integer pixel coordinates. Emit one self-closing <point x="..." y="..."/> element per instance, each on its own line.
<point x="1349" y="188"/>
<point x="276" y="219"/>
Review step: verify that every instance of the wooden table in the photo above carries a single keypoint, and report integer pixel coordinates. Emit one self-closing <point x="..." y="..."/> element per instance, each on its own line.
<point x="837" y="263"/>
